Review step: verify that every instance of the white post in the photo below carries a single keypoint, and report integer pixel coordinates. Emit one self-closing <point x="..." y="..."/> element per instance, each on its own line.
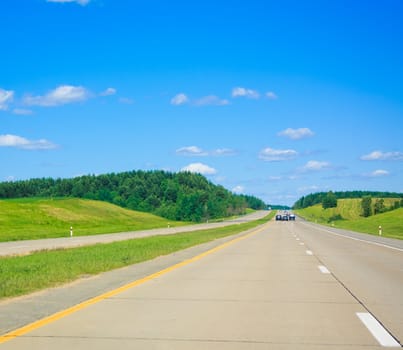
<point x="380" y="230"/>
<point x="71" y="231"/>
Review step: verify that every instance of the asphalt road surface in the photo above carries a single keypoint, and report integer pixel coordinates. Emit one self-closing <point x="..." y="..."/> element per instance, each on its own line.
<point x="286" y="285"/>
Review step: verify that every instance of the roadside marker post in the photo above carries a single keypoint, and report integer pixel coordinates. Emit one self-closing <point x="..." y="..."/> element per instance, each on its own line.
<point x="71" y="231"/>
<point x="380" y="230"/>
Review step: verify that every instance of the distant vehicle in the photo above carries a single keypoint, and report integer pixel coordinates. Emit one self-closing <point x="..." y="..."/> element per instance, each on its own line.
<point x="285" y="216"/>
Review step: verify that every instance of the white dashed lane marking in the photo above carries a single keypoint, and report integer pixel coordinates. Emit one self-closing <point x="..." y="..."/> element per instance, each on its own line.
<point x="323" y="269"/>
<point x="377" y="330"/>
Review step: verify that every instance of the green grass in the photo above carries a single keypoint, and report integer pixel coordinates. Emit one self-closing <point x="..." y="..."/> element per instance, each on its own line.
<point x="350" y="212"/>
<point x="35" y="218"/>
<point x="21" y="275"/>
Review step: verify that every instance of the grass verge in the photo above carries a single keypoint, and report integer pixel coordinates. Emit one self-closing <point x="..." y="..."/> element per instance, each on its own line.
<point x="347" y="216"/>
<point x="20" y="275"/>
<point x="38" y="218"/>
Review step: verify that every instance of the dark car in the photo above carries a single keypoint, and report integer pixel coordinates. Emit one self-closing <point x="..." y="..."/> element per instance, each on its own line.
<point x="278" y="217"/>
<point x="285" y="218"/>
<point x="292" y="217"/>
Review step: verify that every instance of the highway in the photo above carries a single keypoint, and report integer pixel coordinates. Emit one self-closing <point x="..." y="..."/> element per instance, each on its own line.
<point x="371" y="268"/>
<point x="285" y="285"/>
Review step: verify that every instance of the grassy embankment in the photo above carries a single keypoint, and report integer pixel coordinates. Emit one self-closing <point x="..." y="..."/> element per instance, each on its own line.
<point x="20" y="275"/>
<point x="35" y="218"/>
<point x="347" y="215"/>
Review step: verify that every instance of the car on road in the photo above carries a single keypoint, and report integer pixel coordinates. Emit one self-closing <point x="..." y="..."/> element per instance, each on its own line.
<point x="292" y="217"/>
<point x="278" y="217"/>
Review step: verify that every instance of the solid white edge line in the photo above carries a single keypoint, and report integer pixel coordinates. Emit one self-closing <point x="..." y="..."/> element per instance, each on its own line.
<point x="377" y="330"/>
<point x="323" y="269"/>
<point x="359" y="240"/>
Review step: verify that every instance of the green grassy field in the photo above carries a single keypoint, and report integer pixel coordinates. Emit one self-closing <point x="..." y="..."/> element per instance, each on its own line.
<point x="21" y="275"/>
<point x="35" y="218"/>
<point x="350" y="212"/>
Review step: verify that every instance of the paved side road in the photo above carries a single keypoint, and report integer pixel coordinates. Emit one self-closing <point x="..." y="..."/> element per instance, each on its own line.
<point x="28" y="246"/>
<point x="269" y="289"/>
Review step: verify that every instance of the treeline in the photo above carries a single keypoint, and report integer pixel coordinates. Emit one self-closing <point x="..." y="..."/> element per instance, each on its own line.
<point x="321" y="197"/>
<point x="177" y="196"/>
<point x="278" y="207"/>
<point x="369" y="208"/>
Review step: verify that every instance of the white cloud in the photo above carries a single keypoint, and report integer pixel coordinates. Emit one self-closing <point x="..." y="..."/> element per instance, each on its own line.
<point x="221" y="152"/>
<point x="21" y="111"/>
<point x="191" y="151"/>
<point x="198" y="152"/>
<point x="80" y="2"/>
<point x="179" y="99"/>
<point x="379" y="155"/>
<point x="314" y="165"/>
<point x="238" y="189"/>
<point x="199" y="168"/>
<point x="275" y="178"/>
<point x="296" y="134"/>
<point x="21" y="142"/>
<point x="271" y="95"/>
<point x="211" y="100"/>
<point x="378" y="173"/>
<point x="242" y="92"/>
<point x="274" y="155"/>
<point x="6" y="96"/>
<point x="108" y="92"/>
<point x="61" y="95"/>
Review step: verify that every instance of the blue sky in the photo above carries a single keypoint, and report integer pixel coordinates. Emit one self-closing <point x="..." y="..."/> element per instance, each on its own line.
<point x="276" y="99"/>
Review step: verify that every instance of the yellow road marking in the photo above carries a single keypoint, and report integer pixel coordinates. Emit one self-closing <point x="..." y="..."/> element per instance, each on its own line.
<point x="57" y="316"/>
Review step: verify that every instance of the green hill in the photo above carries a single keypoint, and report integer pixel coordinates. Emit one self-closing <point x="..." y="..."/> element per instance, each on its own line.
<point x="317" y="198"/>
<point x="347" y="215"/>
<point x="180" y="196"/>
<point x="33" y="218"/>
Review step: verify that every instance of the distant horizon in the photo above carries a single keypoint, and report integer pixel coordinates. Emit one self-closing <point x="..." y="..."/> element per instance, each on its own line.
<point x="247" y="194"/>
<point x="271" y="99"/>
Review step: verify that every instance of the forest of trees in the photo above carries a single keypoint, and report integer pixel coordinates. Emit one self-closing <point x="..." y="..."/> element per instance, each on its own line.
<point x="323" y="198"/>
<point x="379" y="206"/>
<point x="329" y="200"/>
<point x="176" y="196"/>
